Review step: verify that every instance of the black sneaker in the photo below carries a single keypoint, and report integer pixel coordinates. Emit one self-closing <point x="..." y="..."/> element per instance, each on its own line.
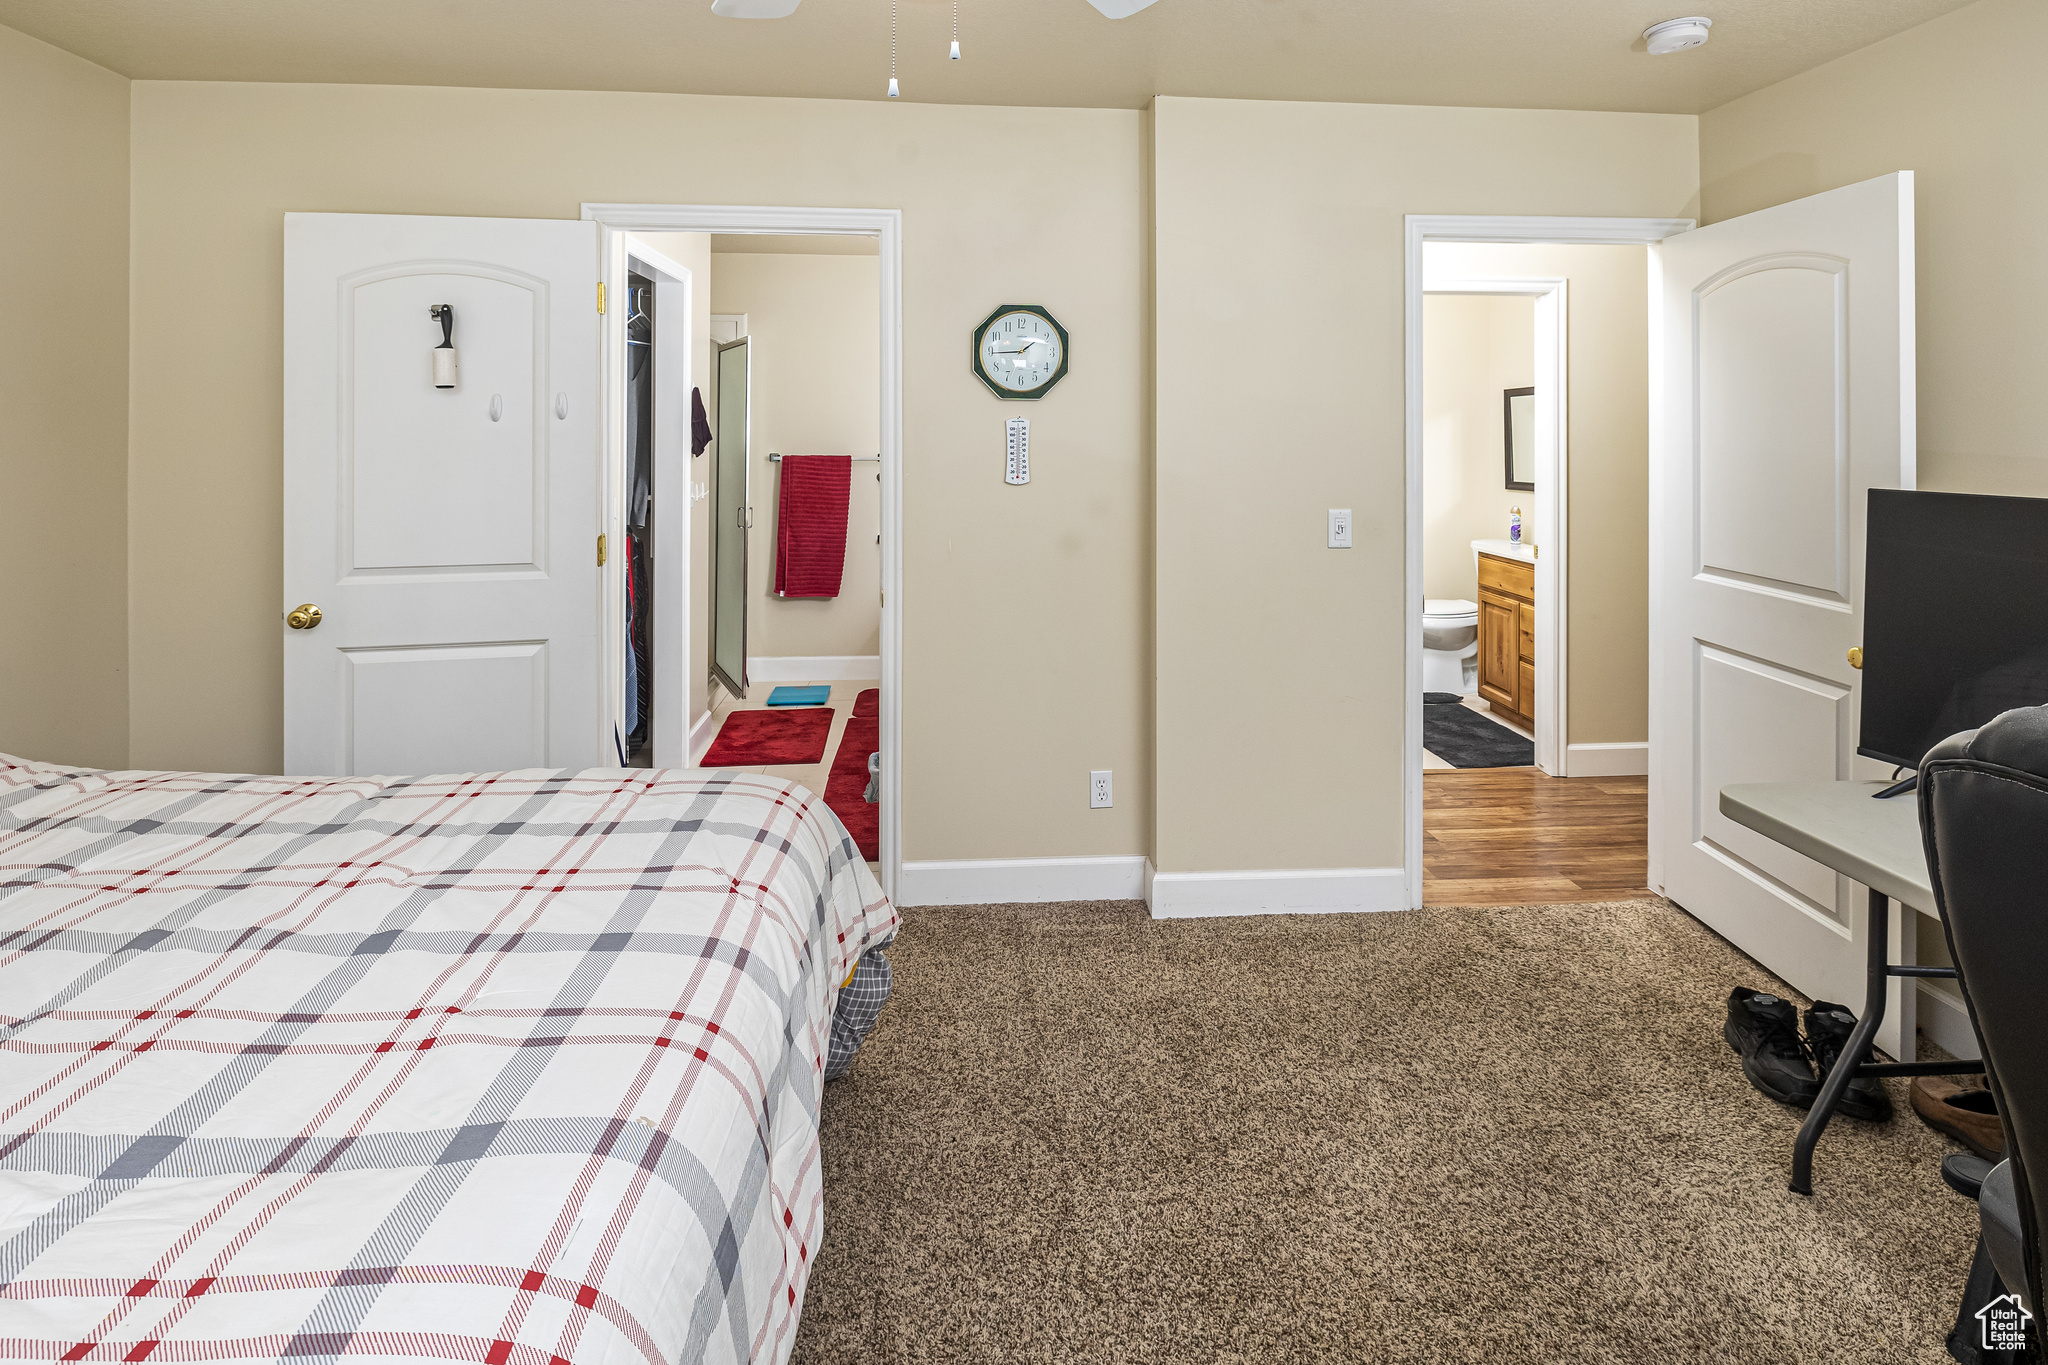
<point x="1964" y="1173"/>
<point x="1827" y="1032"/>
<point x="1764" y="1030"/>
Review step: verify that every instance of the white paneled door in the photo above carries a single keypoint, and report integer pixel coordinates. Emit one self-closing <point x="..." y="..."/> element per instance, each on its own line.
<point x="447" y="535"/>
<point x="1787" y="383"/>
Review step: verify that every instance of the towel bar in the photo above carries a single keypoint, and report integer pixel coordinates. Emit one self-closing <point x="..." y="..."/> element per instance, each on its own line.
<point x="775" y="457"/>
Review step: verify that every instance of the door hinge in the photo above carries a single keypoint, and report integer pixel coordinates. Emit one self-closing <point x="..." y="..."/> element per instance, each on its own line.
<point x="600" y="296"/>
<point x="600" y="550"/>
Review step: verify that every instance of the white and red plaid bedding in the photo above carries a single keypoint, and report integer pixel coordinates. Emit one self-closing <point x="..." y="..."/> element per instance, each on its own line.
<point x="513" y="1067"/>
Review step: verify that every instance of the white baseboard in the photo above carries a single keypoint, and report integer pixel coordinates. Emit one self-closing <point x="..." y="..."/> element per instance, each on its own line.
<point x="701" y="735"/>
<point x="814" y="668"/>
<point x="1002" y="881"/>
<point x="1176" y="895"/>
<point x="1607" y="760"/>
<point x="1945" y="1021"/>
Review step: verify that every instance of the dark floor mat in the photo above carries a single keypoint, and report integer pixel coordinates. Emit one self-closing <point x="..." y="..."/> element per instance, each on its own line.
<point x="1463" y="738"/>
<point x="1440" y="699"/>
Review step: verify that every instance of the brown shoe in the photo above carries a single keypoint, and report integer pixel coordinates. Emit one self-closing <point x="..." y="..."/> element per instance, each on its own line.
<point x="1965" y="1112"/>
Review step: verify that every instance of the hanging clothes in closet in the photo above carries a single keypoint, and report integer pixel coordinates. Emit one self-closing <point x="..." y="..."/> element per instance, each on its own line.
<point x="639" y="502"/>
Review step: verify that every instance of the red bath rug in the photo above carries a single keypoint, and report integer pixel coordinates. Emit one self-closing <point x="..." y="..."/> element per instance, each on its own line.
<point x="846" y="791"/>
<point x="770" y="739"/>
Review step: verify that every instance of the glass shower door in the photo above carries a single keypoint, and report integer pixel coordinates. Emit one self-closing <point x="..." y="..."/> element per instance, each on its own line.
<point x="732" y="514"/>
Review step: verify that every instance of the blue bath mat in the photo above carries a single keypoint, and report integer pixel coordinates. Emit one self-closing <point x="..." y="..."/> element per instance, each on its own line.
<point x="800" y="696"/>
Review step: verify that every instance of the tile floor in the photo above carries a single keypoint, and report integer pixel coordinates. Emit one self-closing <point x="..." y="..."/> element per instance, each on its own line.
<point x="1431" y="763"/>
<point x="809" y="775"/>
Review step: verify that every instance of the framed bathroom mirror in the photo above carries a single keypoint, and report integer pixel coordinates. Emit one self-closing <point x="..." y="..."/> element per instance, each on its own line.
<point x="1518" y="419"/>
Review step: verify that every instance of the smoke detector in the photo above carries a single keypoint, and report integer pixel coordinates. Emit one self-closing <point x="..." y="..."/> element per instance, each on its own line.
<point x="1676" y="35"/>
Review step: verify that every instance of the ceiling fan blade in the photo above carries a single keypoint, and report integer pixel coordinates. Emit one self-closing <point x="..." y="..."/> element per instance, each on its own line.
<point x="755" y="9"/>
<point x="1119" y="9"/>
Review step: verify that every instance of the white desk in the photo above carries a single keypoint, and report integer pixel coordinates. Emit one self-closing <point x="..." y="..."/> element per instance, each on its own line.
<point x="1839" y="825"/>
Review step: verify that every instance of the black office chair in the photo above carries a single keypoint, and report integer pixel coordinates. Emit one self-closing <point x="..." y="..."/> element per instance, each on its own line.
<point x="1984" y="816"/>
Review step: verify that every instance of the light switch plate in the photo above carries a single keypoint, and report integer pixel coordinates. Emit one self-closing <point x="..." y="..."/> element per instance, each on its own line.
<point x="1340" y="528"/>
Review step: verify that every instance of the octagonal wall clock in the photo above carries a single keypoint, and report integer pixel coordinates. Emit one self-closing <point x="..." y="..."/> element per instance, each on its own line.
<point x="1020" y="351"/>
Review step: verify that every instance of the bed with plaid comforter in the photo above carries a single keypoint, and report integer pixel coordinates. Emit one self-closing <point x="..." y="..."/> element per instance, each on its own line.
<point x="517" y="1067"/>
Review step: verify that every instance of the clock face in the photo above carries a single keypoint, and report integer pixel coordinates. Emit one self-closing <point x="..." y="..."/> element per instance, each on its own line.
<point x="1020" y="352"/>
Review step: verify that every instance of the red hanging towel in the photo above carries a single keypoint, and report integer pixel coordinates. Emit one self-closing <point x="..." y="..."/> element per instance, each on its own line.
<point x="810" y="525"/>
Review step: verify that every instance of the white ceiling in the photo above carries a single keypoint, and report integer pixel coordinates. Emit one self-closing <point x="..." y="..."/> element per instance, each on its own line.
<point x="1564" y="54"/>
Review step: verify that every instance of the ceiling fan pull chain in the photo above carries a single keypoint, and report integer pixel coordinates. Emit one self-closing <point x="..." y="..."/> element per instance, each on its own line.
<point x="892" y="50"/>
<point x="956" y="30"/>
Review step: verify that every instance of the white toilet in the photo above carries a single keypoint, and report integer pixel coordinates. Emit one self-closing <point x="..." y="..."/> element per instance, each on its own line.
<point x="1450" y="645"/>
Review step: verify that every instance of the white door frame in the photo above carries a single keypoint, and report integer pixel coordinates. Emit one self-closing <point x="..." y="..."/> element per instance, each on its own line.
<point x="1421" y="228"/>
<point x="886" y="225"/>
<point x="1550" y="523"/>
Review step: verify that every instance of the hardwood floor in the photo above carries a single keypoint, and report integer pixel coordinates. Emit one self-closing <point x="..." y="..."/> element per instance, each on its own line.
<point x="1513" y="836"/>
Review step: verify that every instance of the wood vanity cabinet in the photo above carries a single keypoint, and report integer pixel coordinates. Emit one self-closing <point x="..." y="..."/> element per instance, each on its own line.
<point x="1507" y="637"/>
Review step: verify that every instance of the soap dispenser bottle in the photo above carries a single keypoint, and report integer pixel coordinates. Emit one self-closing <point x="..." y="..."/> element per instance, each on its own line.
<point x="1514" y="526"/>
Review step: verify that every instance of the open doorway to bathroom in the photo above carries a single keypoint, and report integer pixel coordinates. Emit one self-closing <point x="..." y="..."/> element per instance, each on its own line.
<point x="796" y="581"/>
<point x="1533" y="753"/>
<point x="755" y="440"/>
<point x="1479" y="558"/>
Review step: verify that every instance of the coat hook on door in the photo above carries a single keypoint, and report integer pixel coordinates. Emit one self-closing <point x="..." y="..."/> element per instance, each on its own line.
<point x="446" y="361"/>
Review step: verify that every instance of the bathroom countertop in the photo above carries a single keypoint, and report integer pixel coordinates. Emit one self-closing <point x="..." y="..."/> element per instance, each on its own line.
<point x="1506" y="549"/>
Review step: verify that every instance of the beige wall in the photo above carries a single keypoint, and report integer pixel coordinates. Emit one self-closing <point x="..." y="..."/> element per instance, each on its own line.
<point x="1280" y="663"/>
<point x="815" y="365"/>
<point x="1214" y="546"/>
<point x="1040" y="595"/>
<point x="692" y="251"/>
<point x="1011" y="595"/>
<point x="1961" y="103"/>
<point x="1607" y="409"/>
<point x="63" y="406"/>
<point x="1473" y="347"/>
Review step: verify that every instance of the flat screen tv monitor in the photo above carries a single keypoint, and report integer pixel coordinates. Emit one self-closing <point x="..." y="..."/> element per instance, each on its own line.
<point x="1955" y="616"/>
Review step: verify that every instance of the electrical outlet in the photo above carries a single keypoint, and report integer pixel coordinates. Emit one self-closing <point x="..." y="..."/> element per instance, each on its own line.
<point x="1340" y="528"/>
<point x="1099" y="790"/>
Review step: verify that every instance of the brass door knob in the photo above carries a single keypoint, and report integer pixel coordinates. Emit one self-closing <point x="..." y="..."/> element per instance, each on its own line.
<point x="1855" y="655"/>
<point x="304" y="616"/>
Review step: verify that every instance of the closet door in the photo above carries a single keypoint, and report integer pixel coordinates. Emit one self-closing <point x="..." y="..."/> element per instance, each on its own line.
<point x="441" y="600"/>
<point x="732" y="517"/>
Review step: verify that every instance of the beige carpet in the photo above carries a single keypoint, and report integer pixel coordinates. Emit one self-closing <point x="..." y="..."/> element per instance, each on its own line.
<point x="1499" y="1134"/>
